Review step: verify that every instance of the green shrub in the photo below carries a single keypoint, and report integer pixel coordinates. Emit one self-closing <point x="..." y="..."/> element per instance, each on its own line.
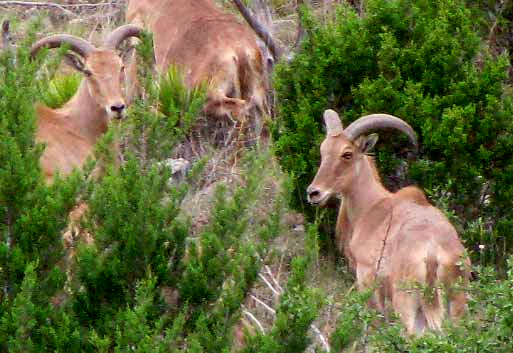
<point x="420" y="61"/>
<point x="155" y="130"/>
<point x="166" y="112"/>
<point x="60" y="89"/>
<point x="133" y="219"/>
<point x="354" y="319"/>
<point x="225" y="262"/>
<point x="299" y="306"/>
<point x="32" y="218"/>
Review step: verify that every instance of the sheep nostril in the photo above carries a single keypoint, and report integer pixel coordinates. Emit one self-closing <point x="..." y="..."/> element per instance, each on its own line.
<point x="117" y="107"/>
<point x="314" y="194"/>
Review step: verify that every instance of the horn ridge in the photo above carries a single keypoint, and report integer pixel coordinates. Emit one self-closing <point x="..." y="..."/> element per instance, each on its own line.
<point x="78" y="45"/>
<point x="380" y="121"/>
<point x="115" y="37"/>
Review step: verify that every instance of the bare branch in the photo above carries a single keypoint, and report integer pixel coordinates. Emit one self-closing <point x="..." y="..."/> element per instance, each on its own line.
<point x="254" y="319"/>
<point x="259" y="301"/>
<point x="323" y="339"/>
<point x="51" y="4"/>
<point x="61" y="7"/>
<point x="269" y="285"/>
<point x="37" y="4"/>
<point x="314" y="328"/>
<point x="262" y="32"/>
<point x="278" y="287"/>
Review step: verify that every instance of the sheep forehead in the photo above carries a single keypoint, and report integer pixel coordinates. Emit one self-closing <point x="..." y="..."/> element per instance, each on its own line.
<point x="104" y="62"/>
<point x="335" y="145"/>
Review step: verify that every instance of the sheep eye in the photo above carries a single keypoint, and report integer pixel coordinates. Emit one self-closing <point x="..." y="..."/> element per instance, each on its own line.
<point x="347" y="155"/>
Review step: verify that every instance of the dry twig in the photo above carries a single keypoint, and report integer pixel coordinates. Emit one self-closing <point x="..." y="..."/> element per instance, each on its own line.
<point x="268" y="270"/>
<point x="271" y="287"/>
<point x="278" y="291"/>
<point x="52" y="4"/>
<point x="61" y="7"/>
<point x="254" y="319"/>
<point x="37" y="4"/>
<point x="259" y="301"/>
<point x="314" y="328"/>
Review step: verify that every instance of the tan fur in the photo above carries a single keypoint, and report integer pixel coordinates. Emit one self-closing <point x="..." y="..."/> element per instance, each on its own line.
<point x="209" y="45"/>
<point x="395" y="240"/>
<point x="412" y="193"/>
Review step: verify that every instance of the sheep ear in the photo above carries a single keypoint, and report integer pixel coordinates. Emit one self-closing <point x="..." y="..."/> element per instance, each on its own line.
<point x="333" y="124"/>
<point x="367" y="143"/>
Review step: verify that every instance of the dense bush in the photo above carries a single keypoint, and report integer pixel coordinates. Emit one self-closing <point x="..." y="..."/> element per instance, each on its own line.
<point x="422" y="61"/>
<point x="155" y="130"/>
<point x="298" y="307"/>
<point x="32" y="216"/>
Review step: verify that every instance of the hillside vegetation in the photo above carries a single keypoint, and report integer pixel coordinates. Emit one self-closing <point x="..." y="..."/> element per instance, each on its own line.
<point x="227" y="256"/>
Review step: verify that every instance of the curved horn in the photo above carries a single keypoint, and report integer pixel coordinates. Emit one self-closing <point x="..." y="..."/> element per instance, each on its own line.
<point x="264" y="34"/>
<point x="121" y="33"/>
<point x="380" y="121"/>
<point x="78" y="45"/>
